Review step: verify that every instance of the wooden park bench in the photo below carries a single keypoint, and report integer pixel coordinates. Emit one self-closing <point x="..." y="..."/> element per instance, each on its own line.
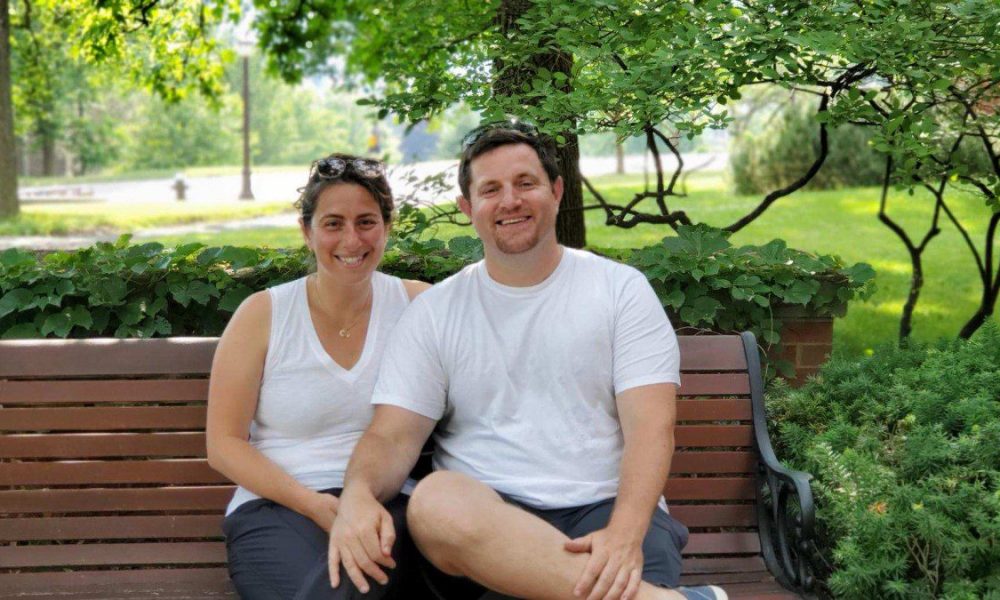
<point x="105" y="491"/>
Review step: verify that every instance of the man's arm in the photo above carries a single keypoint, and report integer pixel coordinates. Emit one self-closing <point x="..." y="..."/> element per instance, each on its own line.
<point x="363" y="534"/>
<point x="647" y="415"/>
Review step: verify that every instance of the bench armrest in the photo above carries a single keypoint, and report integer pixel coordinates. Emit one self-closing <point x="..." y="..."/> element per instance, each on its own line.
<point x="785" y="511"/>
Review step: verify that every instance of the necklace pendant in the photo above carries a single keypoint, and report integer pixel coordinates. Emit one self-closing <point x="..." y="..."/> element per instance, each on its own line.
<point x="344" y="333"/>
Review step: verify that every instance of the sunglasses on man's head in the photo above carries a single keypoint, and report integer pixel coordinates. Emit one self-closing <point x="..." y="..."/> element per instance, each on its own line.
<point x="334" y="167"/>
<point x="522" y="126"/>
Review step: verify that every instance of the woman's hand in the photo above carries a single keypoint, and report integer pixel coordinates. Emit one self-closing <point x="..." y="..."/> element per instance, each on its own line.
<point x="322" y="509"/>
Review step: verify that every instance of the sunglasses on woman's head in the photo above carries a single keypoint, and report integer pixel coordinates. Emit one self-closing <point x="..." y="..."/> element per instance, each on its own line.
<point x="521" y="126"/>
<point x="333" y="167"/>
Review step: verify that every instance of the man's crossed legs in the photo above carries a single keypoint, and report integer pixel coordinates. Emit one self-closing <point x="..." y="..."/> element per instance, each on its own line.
<point x="467" y="529"/>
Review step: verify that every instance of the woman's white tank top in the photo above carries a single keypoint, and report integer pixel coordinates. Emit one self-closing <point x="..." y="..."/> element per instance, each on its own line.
<point x="311" y="411"/>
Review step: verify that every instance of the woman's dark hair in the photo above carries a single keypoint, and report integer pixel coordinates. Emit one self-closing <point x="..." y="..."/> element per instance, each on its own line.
<point x="345" y="168"/>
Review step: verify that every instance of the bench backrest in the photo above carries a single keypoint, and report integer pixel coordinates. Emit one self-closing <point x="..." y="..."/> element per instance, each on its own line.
<point x="102" y="463"/>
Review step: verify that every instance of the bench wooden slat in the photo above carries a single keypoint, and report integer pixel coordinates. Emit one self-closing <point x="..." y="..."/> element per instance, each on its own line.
<point x="111" y="528"/>
<point x="723" y="543"/>
<point x="97" y="445"/>
<point x="104" y="472"/>
<point x="711" y="462"/>
<point x="100" y="391"/>
<point x="736" y="409"/>
<point x="709" y="488"/>
<point x="714" y="384"/>
<point x="207" y="582"/>
<point x="115" y="499"/>
<point x="755" y="589"/>
<point x="64" y="359"/>
<point x="76" y="555"/>
<point x="702" y="436"/>
<point x="103" y="419"/>
<point x="715" y="515"/>
<point x="729" y="564"/>
<point x="712" y="353"/>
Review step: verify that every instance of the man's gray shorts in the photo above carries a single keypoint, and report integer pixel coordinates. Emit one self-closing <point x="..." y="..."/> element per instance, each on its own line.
<point x="661" y="548"/>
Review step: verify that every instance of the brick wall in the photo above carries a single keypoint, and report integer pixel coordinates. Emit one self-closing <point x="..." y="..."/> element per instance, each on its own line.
<point x="806" y="343"/>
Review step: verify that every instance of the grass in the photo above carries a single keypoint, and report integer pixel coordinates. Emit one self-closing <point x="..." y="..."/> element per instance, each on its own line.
<point x="84" y="218"/>
<point x="841" y="222"/>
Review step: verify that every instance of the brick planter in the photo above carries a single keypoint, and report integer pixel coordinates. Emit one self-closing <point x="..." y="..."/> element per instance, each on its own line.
<point x="806" y="342"/>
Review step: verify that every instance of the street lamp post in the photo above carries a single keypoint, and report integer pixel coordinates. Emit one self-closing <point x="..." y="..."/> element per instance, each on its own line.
<point x="245" y="45"/>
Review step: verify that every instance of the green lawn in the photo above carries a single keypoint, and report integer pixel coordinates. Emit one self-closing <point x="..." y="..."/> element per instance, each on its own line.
<point x="839" y="222"/>
<point x="82" y="218"/>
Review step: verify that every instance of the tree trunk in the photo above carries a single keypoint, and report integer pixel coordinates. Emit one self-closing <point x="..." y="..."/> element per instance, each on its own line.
<point x="620" y="159"/>
<point x="570" y="228"/>
<point x="48" y="152"/>
<point x="8" y="168"/>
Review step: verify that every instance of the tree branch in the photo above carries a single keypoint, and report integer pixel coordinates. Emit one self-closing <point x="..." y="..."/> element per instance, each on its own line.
<point x="824" y="149"/>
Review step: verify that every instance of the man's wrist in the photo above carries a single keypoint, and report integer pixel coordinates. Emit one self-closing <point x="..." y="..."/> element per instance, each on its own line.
<point x="630" y="525"/>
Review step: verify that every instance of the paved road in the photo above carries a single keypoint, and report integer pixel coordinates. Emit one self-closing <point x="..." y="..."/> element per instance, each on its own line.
<point x="276" y="186"/>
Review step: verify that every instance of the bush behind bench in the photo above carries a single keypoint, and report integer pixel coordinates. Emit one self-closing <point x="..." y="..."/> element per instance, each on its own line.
<point x="126" y="290"/>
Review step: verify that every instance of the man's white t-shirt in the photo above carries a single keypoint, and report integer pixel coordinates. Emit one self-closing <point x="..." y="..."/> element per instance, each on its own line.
<point x="523" y="379"/>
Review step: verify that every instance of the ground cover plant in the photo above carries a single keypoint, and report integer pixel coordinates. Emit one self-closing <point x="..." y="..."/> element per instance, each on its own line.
<point x="904" y="446"/>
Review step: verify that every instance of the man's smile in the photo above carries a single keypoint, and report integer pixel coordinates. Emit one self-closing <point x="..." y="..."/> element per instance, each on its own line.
<point x="513" y="221"/>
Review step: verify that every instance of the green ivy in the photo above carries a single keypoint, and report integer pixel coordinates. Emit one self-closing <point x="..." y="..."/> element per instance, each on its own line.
<point x="124" y="290"/>
<point x="705" y="282"/>
<point x="904" y="446"/>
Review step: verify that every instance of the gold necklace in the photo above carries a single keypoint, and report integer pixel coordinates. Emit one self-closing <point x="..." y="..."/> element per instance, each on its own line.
<point x="345" y="332"/>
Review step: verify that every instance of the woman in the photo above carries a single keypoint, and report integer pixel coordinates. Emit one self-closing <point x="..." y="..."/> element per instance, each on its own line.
<point x="291" y="383"/>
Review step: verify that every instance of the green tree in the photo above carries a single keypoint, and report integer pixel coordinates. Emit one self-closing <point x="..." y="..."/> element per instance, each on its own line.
<point x="164" y="47"/>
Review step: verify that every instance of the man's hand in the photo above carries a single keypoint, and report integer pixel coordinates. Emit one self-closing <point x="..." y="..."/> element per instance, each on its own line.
<point x="361" y="539"/>
<point x="614" y="570"/>
<point x="322" y="510"/>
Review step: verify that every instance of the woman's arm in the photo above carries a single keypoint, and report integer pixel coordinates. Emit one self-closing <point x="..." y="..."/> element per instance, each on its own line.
<point x="232" y="400"/>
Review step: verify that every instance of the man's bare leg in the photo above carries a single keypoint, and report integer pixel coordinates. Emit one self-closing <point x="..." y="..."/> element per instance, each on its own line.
<point x="465" y="528"/>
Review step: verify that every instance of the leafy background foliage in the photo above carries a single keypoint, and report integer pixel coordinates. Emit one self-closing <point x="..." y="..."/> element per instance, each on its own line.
<point x="125" y="290"/>
<point x="905" y="449"/>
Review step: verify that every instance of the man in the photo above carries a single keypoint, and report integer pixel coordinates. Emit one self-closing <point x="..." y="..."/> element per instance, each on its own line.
<point x="551" y="376"/>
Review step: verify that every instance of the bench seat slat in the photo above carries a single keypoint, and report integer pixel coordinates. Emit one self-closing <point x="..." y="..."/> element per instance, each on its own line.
<point x="115" y="499"/>
<point x="765" y="589"/>
<point x="712" y="352"/>
<point x="110" y="528"/>
<point x="714" y="384"/>
<point x="715" y="515"/>
<point x="723" y="543"/>
<point x="102" y="391"/>
<point x="209" y="582"/>
<point x="78" y="555"/>
<point x="735" y="409"/>
<point x="728" y="564"/>
<point x="709" y="488"/>
<point x="179" y="444"/>
<point x="103" y="418"/>
<point x="104" y="472"/>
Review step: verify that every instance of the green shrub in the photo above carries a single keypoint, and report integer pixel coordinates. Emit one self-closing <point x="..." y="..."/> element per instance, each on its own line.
<point x="905" y="449"/>
<point x="782" y="151"/>
<point x="145" y="290"/>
